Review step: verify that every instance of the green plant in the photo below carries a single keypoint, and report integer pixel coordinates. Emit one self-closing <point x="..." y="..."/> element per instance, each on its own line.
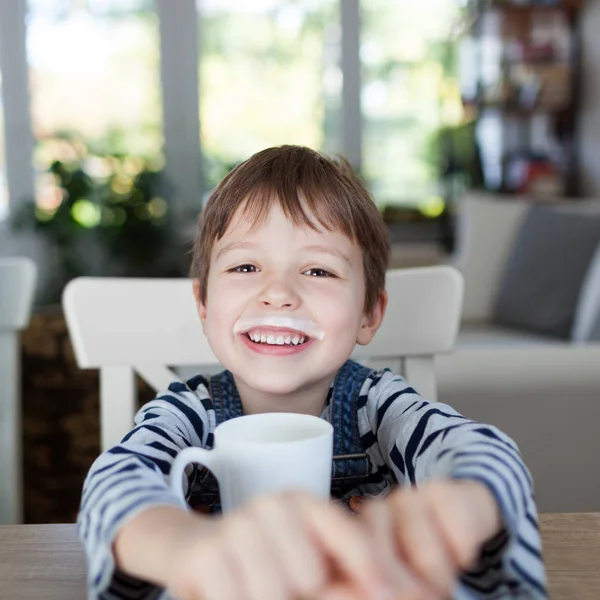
<point x="453" y="153"/>
<point x="103" y="214"/>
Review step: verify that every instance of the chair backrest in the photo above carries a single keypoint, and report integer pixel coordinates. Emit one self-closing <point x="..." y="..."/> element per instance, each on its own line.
<point x="17" y="287"/>
<point x="123" y="326"/>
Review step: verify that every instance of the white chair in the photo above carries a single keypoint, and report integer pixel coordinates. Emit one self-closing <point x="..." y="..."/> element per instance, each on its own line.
<point x="128" y="326"/>
<point x="17" y="286"/>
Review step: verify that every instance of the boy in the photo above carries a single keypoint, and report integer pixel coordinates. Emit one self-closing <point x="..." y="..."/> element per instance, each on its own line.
<point x="289" y="272"/>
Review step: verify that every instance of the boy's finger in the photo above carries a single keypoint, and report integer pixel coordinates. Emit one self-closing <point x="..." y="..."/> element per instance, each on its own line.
<point x="420" y="543"/>
<point x="339" y="591"/>
<point x="378" y="519"/>
<point x="304" y="569"/>
<point x="343" y="591"/>
<point x="256" y="566"/>
<point x="215" y="581"/>
<point x="346" y="545"/>
<point x="454" y="520"/>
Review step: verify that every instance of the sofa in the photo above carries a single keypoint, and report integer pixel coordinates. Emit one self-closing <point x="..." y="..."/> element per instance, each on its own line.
<point x="542" y="390"/>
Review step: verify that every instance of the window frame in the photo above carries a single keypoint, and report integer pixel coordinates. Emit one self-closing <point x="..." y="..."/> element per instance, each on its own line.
<point x="18" y="136"/>
<point x="180" y="29"/>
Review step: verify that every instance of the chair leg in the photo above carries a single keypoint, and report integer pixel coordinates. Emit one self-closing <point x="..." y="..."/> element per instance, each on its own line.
<point x="117" y="404"/>
<point x="418" y="371"/>
<point x="11" y="505"/>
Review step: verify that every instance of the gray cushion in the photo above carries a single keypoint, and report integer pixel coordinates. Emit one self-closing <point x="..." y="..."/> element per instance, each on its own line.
<point x="545" y="270"/>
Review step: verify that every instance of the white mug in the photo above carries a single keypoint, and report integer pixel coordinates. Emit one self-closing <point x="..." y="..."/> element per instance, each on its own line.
<point x="264" y="453"/>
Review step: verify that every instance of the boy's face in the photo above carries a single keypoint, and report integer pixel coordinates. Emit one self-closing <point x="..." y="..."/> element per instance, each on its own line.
<point x="282" y="283"/>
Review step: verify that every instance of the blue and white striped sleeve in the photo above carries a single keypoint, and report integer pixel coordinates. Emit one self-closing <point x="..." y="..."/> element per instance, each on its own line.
<point x="132" y="476"/>
<point x="420" y="441"/>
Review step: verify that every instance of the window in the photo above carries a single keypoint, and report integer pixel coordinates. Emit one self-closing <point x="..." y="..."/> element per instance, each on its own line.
<point x="269" y="75"/>
<point x="409" y="91"/>
<point x="95" y="89"/>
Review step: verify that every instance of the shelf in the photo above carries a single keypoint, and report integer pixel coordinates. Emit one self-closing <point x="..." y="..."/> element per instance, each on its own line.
<point x="536" y="63"/>
<point x="515" y="110"/>
<point x="571" y="6"/>
<point x="534" y="97"/>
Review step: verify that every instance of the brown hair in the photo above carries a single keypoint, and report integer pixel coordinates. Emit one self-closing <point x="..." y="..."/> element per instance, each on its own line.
<point x="331" y="194"/>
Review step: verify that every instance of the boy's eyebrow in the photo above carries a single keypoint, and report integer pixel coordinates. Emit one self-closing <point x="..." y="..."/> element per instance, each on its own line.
<point x="329" y="250"/>
<point x="312" y="247"/>
<point x="234" y="246"/>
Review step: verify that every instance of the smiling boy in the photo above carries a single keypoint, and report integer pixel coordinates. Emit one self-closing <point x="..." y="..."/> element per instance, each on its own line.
<point x="289" y="274"/>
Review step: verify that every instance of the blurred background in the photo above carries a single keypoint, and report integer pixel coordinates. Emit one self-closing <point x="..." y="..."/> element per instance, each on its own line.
<point x="465" y="119"/>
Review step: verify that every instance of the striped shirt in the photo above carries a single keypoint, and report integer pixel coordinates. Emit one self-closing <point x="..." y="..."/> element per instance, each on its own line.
<point x="408" y="441"/>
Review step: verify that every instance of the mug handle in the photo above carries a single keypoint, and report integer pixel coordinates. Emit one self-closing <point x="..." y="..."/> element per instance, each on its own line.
<point x="206" y="458"/>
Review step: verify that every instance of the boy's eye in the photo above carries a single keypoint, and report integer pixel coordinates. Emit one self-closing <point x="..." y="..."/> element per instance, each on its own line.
<point x="318" y="273"/>
<point x="243" y="269"/>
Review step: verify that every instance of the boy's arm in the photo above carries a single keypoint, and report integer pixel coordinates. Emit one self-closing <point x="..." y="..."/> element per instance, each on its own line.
<point x="144" y="545"/>
<point x="131" y="478"/>
<point x="421" y="441"/>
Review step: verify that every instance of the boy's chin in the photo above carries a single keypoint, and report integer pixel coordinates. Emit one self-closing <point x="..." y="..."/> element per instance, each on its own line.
<point x="277" y="384"/>
<point x="273" y="386"/>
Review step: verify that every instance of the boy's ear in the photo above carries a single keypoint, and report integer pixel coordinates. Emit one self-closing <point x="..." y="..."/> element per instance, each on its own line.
<point x="200" y="306"/>
<point x="373" y="320"/>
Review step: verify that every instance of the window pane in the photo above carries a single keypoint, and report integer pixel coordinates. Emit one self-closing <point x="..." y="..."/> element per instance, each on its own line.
<point x="95" y="81"/>
<point x="269" y="75"/>
<point x="3" y="188"/>
<point x="409" y="90"/>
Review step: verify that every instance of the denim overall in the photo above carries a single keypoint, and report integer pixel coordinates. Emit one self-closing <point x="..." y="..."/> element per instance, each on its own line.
<point x="350" y="462"/>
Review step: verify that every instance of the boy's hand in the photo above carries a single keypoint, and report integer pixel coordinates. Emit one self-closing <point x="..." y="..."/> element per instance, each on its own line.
<point x="281" y="547"/>
<point x="437" y="530"/>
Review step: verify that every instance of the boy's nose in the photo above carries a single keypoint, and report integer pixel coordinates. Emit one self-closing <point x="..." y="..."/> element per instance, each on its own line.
<point x="279" y="294"/>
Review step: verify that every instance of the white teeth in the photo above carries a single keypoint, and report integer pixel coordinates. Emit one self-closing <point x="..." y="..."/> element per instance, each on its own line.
<point x="276" y="340"/>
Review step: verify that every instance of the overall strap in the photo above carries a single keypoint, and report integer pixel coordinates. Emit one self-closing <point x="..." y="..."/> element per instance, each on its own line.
<point x="227" y="405"/>
<point x="225" y="397"/>
<point x="350" y="461"/>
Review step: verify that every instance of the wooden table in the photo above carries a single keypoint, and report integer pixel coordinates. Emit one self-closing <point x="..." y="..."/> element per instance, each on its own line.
<point x="41" y="562"/>
<point x="571" y="548"/>
<point x="46" y="561"/>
